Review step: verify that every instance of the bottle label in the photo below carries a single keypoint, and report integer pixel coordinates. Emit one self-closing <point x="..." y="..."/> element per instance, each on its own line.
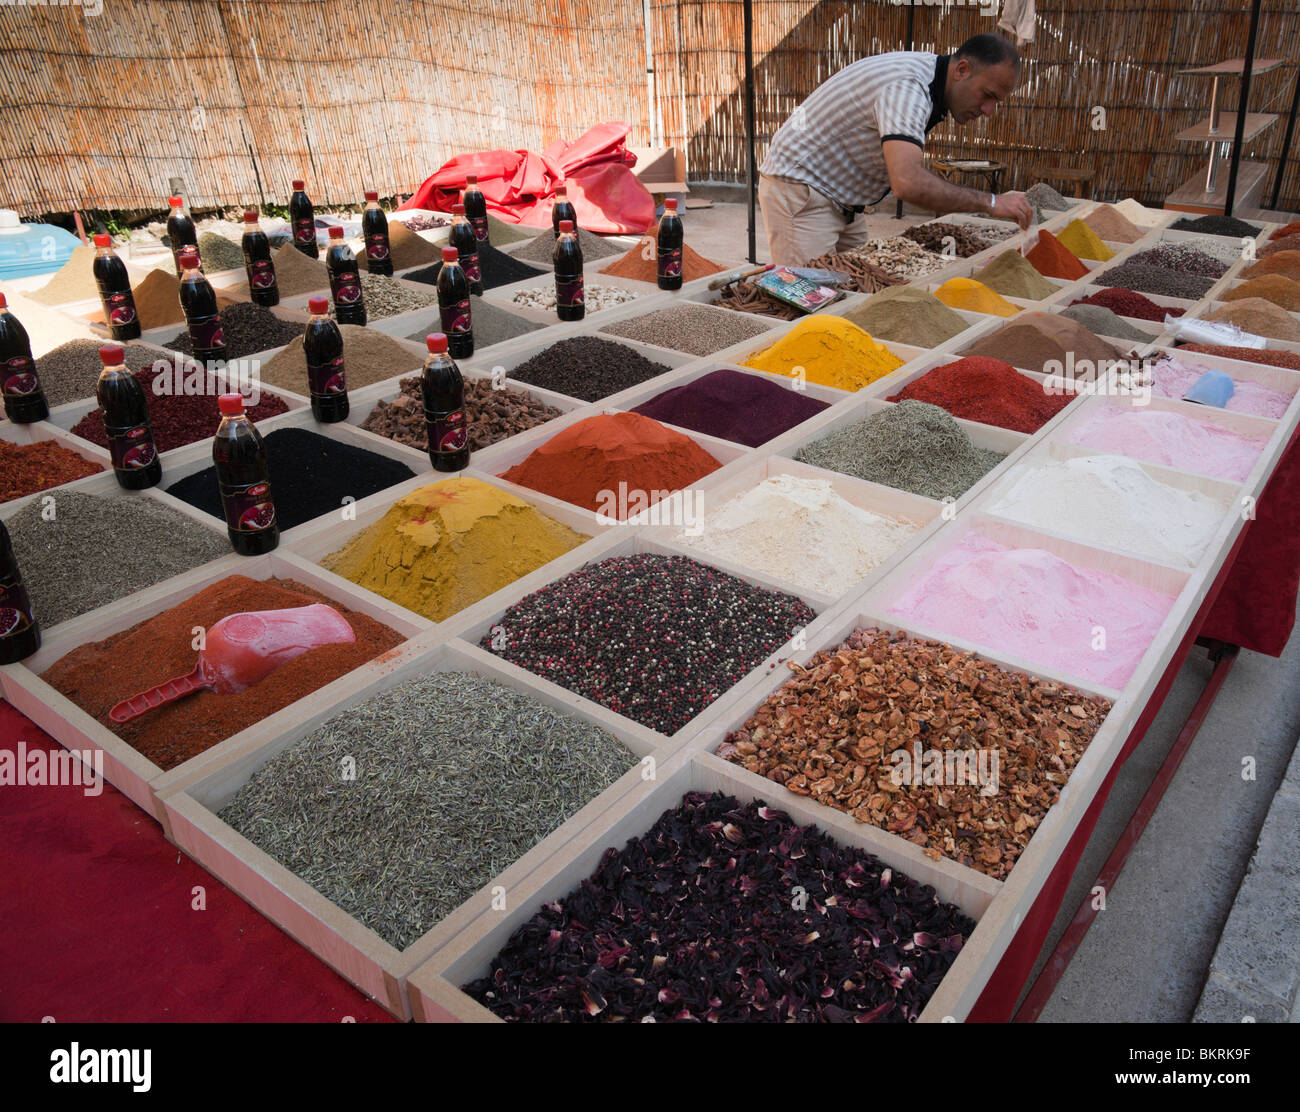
<point x="568" y="292"/>
<point x="480" y="228"/>
<point x="249" y="509"/>
<point x="448" y="432"/>
<point x="207" y="335"/>
<point x="261" y="274"/>
<point x="131" y="449"/>
<point x="455" y="318"/>
<point x="304" y="231"/>
<point x="120" y="308"/>
<point x="326" y="379"/>
<point x="472" y="271"/>
<point x="377" y="247"/>
<point x="346" y="288"/>
<point x="19" y="377"/>
<point x="15" y="607"/>
<point x="670" y="262"/>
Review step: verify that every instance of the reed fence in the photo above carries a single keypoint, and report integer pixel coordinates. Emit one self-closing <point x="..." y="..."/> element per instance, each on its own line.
<point x="234" y="98"/>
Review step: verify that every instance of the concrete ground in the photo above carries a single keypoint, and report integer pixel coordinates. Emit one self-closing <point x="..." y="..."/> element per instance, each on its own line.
<point x="1148" y="956"/>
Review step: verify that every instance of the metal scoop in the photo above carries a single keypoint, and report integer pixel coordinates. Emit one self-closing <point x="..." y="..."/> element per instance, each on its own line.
<point x="242" y="650"/>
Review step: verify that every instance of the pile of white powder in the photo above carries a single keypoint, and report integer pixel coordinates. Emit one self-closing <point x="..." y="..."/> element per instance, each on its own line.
<point x="801" y="532"/>
<point x="1113" y="501"/>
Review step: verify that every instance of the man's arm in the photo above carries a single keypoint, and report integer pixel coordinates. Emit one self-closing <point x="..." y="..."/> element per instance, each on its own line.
<point x="911" y="181"/>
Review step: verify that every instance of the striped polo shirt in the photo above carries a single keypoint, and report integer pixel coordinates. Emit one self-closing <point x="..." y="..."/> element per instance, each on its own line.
<point x="833" y="140"/>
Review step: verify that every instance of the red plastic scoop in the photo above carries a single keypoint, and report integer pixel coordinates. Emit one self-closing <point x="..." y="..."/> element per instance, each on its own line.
<point x="242" y="650"/>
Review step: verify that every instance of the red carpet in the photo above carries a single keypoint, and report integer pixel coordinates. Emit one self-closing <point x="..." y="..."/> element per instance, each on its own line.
<point x="96" y="921"/>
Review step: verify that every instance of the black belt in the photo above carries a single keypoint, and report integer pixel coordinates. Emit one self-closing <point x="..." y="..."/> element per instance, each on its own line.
<point x="852" y="212"/>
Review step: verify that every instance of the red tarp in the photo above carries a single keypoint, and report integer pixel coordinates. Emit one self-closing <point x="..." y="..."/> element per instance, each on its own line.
<point x="519" y="185"/>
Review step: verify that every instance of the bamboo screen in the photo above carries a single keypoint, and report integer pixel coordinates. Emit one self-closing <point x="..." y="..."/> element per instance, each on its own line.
<point x="1122" y="56"/>
<point x="236" y="97"/>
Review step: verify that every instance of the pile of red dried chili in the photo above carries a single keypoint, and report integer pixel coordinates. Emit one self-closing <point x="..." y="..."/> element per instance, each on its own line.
<point x="1250" y="355"/>
<point x="27" y="468"/>
<point x="989" y="391"/>
<point x="1127" y="303"/>
<point x="178" y="419"/>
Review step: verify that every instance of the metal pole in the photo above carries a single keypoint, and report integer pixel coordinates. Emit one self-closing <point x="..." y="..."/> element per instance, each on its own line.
<point x="751" y="167"/>
<point x="1231" y="195"/>
<point x="911" y="25"/>
<point x="1286" y="143"/>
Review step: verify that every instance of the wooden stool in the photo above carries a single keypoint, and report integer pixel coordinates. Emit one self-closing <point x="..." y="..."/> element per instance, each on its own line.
<point x="991" y="172"/>
<point x="1064" y="173"/>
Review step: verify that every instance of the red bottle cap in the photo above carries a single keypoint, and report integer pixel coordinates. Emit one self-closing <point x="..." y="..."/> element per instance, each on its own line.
<point x="103" y="240"/>
<point x="231" y="405"/>
<point x="471" y="179"/>
<point x="671" y="204"/>
<point x="318" y="304"/>
<point x="436" y="342"/>
<point x="566" y="226"/>
<point x="336" y="232"/>
<point x="450" y="255"/>
<point x="561" y="186"/>
<point x="175" y="202"/>
<point x="458" y="208"/>
<point x="298" y="184"/>
<point x="250" y="216"/>
<point x="372" y="195"/>
<point x="4" y="301"/>
<point x="189" y="256"/>
<point x="112" y="355"/>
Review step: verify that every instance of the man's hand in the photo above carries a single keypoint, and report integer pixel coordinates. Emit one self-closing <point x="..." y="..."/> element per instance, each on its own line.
<point x="1014" y="206"/>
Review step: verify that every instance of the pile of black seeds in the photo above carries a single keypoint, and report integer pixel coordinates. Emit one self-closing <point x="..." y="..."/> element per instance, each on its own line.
<point x="457" y="777"/>
<point x="694" y="921"/>
<point x="1159" y="280"/>
<point x="310" y="475"/>
<point x="248" y="329"/>
<point x="496" y="267"/>
<point x="69" y="372"/>
<point x="655" y="638"/>
<point x="96" y="550"/>
<point x="541" y="249"/>
<point x="587" y="368"/>
<point x="1182" y="257"/>
<point x="1216" y="226"/>
<point x="694" y="329"/>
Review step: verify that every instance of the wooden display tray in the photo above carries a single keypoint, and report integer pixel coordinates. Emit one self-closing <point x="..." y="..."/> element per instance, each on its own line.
<point x="458" y="948"/>
<point x="193" y="798"/>
<point x="128" y="770"/>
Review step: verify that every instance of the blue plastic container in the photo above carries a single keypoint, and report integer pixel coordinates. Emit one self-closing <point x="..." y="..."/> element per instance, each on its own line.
<point x="27" y="249"/>
<point x="1212" y="388"/>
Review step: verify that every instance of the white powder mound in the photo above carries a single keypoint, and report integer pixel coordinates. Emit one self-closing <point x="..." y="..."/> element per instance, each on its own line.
<point x="1112" y="500"/>
<point x="1137" y="213"/>
<point x="801" y="532"/>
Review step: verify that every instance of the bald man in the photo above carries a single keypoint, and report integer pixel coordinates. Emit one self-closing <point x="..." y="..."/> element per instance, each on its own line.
<point x="862" y="134"/>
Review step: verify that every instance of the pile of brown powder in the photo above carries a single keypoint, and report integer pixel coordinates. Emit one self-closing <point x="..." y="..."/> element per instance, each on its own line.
<point x="368" y="357"/>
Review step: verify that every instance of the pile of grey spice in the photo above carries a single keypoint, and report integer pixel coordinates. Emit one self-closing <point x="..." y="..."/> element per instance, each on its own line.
<point x="456" y="778"/>
<point x="490" y="324"/>
<point x="694" y="329"/>
<point x="70" y="371"/>
<point x="912" y="446"/>
<point x="91" y="550"/>
<point x="654" y="638"/>
<point x="386" y="297"/>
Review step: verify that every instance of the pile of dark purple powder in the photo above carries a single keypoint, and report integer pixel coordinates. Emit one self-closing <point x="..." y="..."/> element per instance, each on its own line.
<point x="745" y="409"/>
<point x="695" y="921"/>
